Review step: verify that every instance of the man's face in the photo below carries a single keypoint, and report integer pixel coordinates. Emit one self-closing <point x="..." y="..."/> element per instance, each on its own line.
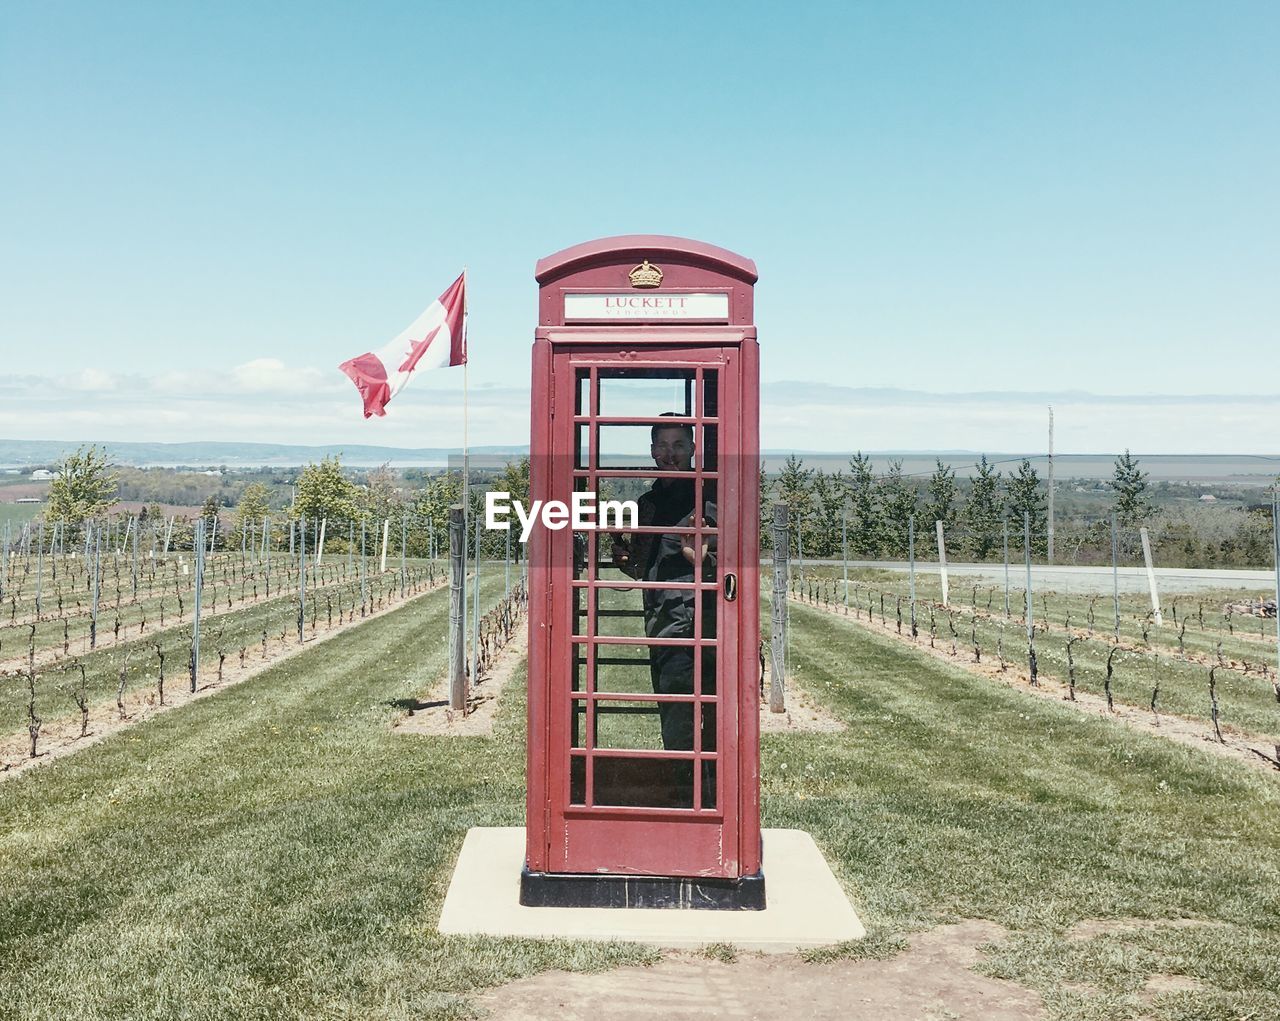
<point x="672" y="449"/>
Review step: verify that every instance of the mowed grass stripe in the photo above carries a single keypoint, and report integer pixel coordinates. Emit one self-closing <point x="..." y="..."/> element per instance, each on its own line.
<point x="951" y="796"/>
<point x="297" y="873"/>
<point x="274" y="851"/>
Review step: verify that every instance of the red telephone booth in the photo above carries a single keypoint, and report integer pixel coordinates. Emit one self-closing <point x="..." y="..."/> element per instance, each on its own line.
<point x="643" y="782"/>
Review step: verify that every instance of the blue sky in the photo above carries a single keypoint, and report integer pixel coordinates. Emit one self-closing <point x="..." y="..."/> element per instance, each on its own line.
<point x="207" y="207"/>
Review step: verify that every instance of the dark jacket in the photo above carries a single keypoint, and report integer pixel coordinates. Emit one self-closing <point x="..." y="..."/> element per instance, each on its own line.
<point x="669" y="612"/>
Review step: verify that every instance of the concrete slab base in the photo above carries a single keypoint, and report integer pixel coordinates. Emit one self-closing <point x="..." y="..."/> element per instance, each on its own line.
<point x="806" y="907"/>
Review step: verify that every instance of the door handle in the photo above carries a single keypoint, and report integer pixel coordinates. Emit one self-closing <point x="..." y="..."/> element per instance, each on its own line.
<point x="730" y="587"/>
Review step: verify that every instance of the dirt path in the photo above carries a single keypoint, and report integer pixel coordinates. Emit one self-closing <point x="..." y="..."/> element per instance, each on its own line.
<point x="431" y="716"/>
<point x="930" y="981"/>
<point x="1238" y="746"/>
<point x="61" y="737"/>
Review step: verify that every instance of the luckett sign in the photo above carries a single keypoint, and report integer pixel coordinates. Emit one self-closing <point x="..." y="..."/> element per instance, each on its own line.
<point x="702" y="306"/>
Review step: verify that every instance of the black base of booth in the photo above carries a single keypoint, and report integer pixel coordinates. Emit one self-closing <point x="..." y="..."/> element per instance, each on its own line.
<point x="574" y="890"/>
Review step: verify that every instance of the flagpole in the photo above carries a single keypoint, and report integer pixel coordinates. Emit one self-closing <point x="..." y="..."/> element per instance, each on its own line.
<point x="466" y="477"/>
<point x="466" y="503"/>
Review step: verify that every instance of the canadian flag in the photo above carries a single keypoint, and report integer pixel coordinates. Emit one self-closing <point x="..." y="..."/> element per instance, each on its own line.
<point x="435" y="340"/>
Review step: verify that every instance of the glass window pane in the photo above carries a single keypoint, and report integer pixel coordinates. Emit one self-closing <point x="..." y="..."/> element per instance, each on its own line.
<point x="577" y="780"/>
<point x="710" y="393"/>
<point x="671" y="447"/>
<point x="581" y="678"/>
<point x="708" y="456"/>
<point x="623" y="669"/>
<point x="645" y="391"/>
<point x="648" y="783"/>
<point x="635" y="725"/>
<point x="642" y="556"/>
<point x="619" y="613"/>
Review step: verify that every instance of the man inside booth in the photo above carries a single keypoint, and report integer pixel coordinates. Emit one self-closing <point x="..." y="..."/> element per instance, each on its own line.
<point x="669" y="613"/>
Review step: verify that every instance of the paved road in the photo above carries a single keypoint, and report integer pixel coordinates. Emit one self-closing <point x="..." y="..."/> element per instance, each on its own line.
<point x="1086" y="579"/>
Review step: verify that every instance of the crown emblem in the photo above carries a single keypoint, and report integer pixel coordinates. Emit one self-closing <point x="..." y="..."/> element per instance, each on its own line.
<point x="646" y="275"/>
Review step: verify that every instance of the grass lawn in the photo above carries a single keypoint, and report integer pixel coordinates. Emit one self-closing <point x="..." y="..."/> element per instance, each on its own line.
<point x="953" y="797"/>
<point x="275" y="852"/>
<point x="18" y="514"/>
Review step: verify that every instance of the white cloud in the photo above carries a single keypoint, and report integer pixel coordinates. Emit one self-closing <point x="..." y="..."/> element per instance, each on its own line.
<point x="266" y="400"/>
<point x="271" y="375"/>
<point x="89" y="381"/>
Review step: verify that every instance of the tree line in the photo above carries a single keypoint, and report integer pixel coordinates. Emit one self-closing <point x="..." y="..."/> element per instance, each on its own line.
<point x="872" y="513"/>
<point x="873" y="510"/>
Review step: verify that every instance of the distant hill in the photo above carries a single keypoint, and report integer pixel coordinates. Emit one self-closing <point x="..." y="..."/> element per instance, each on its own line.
<point x="919" y="463"/>
<point x="25" y="453"/>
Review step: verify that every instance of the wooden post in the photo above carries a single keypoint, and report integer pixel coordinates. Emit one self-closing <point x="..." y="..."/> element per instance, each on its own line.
<point x="302" y="575"/>
<point x="942" y="564"/>
<point x="475" y="612"/>
<point x="195" y="618"/>
<point x="1115" y="572"/>
<point x="1026" y="552"/>
<point x="1006" y="566"/>
<point x="911" y="561"/>
<point x="1151" y="577"/>
<point x="386" y="531"/>
<point x="844" y="552"/>
<point x="778" y="637"/>
<point x="1275" y="538"/>
<point x="40" y="569"/>
<point x="95" y="531"/>
<point x="457" y="638"/>
<point x="363" y="558"/>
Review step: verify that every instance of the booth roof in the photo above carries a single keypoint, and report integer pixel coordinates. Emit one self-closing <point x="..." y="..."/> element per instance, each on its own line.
<point x="654" y="247"/>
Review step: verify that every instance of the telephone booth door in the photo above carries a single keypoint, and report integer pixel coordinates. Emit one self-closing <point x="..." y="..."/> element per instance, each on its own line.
<point x="644" y="710"/>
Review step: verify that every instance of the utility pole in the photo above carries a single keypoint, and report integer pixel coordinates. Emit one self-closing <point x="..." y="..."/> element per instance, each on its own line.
<point x="1050" y="485"/>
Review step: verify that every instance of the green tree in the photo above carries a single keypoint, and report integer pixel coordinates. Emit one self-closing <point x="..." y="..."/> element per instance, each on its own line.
<point x="1130" y="483"/>
<point x="793" y="488"/>
<point x="381" y="496"/>
<point x="866" y="518"/>
<point x="323" y="491"/>
<point x="252" y="508"/>
<point x="432" y="503"/>
<point x="515" y="480"/>
<point x="83" y="488"/>
<point x="983" y="511"/>
<point x="898" y="500"/>
<point x="766" y="510"/>
<point x="210" y="512"/>
<point x="822" y="524"/>
<point x="940" y="502"/>
<point x="1024" y="496"/>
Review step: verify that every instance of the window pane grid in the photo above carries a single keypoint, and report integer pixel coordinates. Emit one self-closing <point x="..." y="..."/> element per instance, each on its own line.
<point x="592" y="650"/>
